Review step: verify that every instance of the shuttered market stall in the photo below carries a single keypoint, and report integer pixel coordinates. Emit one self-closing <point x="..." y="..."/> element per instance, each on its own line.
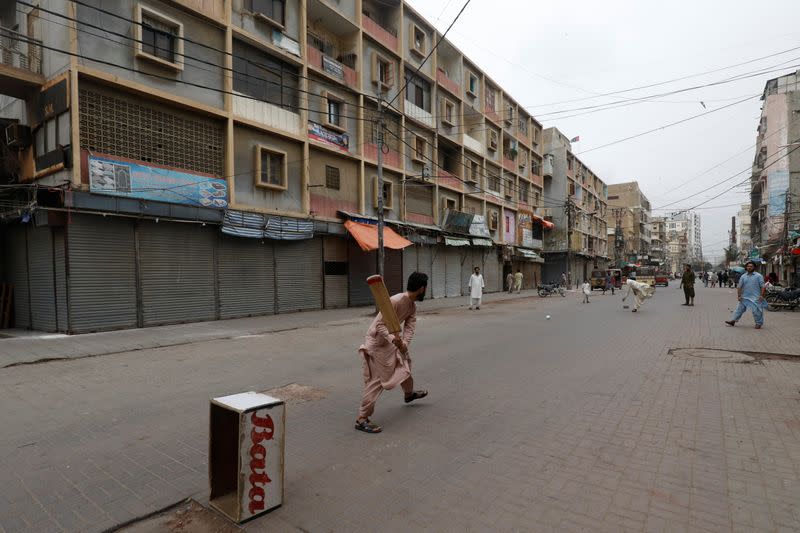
<point x="246" y="277"/>
<point x="41" y="278"/>
<point x="299" y="274"/>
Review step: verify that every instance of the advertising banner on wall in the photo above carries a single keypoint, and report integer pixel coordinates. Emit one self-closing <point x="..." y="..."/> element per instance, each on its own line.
<point x="323" y="134"/>
<point x="777" y="188"/>
<point x="135" y="180"/>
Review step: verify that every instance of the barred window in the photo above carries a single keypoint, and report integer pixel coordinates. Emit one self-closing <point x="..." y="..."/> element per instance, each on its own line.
<point x="125" y="126"/>
<point x="332" y="178"/>
<point x="266" y="78"/>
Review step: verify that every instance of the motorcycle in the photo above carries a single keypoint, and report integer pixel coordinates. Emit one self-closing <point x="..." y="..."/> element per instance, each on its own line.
<point x="787" y="298"/>
<point x="547" y="289"/>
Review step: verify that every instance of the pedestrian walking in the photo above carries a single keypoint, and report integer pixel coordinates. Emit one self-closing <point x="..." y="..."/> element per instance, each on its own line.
<point x="713" y="279"/>
<point x="586" y="288"/>
<point x="687" y="282"/>
<point x="518" y="281"/>
<point x="705" y="279"/>
<point x="751" y="295"/>
<point x="510" y="282"/>
<point x="475" y="289"/>
<point x="385" y="359"/>
<point x="609" y="285"/>
<point x="640" y="292"/>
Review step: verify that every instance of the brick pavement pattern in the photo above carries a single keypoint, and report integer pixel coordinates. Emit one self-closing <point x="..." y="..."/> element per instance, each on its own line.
<point x="585" y="422"/>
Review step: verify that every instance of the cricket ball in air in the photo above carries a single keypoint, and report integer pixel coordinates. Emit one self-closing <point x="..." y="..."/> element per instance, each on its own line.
<point x="548" y="317"/>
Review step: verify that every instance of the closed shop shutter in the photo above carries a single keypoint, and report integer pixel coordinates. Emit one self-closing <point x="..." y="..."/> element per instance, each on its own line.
<point x="453" y="281"/>
<point x="102" y="273"/>
<point x="361" y="266"/>
<point x="492" y="269"/>
<point x="527" y="273"/>
<point x="335" y="255"/>
<point x="177" y="273"/>
<point x="17" y="270"/>
<point x="410" y="256"/>
<point x="246" y="277"/>
<point x="439" y="271"/>
<point x="424" y="256"/>
<point x="299" y="274"/>
<point x="419" y="199"/>
<point x="393" y="271"/>
<point x="42" y="282"/>
<point x="59" y="257"/>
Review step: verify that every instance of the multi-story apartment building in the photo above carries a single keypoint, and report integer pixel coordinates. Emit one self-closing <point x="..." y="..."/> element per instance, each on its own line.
<point x="684" y="240"/>
<point x="743" y="239"/>
<point x="191" y="160"/>
<point x="629" y="209"/>
<point x="576" y="203"/>
<point x="775" y="180"/>
<point x="658" y="241"/>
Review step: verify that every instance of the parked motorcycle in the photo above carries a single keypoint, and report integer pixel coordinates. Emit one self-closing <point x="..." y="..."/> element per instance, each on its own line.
<point x="547" y="289"/>
<point x="787" y="298"/>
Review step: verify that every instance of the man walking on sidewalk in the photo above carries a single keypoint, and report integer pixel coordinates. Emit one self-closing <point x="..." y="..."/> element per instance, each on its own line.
<point x="475" y="289"/>
<point x="510" y="282"/>
<point x="386" y="362"/>
<point x="518" y="281"/>
<point x="751" y="294"/>
<point x="687" y="282"/>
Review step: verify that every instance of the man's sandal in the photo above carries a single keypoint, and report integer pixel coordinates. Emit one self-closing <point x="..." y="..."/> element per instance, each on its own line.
<point x="368" y="427"/>
<point x="416" y="395"/>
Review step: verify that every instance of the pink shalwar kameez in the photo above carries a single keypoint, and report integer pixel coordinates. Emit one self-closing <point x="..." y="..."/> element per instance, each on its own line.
<point x="384" y="366"/>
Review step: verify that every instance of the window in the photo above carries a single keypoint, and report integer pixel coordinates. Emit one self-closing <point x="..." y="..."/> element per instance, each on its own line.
<point x="493" y="182"/>
<point x="332" y="178"/>
<point x="569" y="163"/>
<point x="472" y="87"/>
<point x="382" y="71"/>
<point x="509" y="189"/>
<point x="572" y="188"/>
<point x="49" y="139"/>
<point x="388" y="188"/>
<point x="266" y="78"/>
<point x="474" y="172"/>
<point x="614" y="197"/>
<point x="271" y="168"/>
<point x="159" y="38"/>
<point x="272" y="10"/>
<point x="334" y="111"/>
<point x="536" y="167"/>
<point x="494" y="218"/>
<point x="420" y="148"/>
<point x="418" y="92"/>
<point x="491" y="140"/>
<point x="450" y="204"/>
<point x="490" y="99"/>
<point x="509" y="114"/>
<point x="417" y="40"/>
<point x="448" y="112"/>
<point x="524" y="191"/>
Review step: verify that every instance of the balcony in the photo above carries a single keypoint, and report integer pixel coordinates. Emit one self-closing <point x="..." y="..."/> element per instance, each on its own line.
<point x="509" y="164"/>
<point x="20" y="63"/>
<point x="386" y="36"/>
<point x="474" y="144"/>
<point x="420" y="115"/>
<point x="448" y="179"/>
<point x="342" y="70"/>
<point x="446" y="83"/>
<point x="493" y="115"/>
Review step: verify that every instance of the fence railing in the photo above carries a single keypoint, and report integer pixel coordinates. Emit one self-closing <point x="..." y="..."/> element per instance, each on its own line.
<point x="20" y="51"/>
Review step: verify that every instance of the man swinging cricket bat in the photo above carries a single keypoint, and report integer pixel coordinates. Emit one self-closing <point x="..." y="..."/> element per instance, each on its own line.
<point x="386" y="362"/>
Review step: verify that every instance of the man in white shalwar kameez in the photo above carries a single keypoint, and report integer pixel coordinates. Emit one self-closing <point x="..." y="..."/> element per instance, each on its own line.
<point x="475" y="289"/>
<point x="640" y="292"/>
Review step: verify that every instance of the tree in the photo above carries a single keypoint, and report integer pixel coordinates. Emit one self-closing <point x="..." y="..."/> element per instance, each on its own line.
<point x="731" y="253"/>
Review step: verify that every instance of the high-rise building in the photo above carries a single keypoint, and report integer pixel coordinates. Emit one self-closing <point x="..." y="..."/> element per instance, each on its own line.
<point x="576" y="203"/>
<point x="775" y="180"/>
<point x="197" y="160"/>
<point x="743" y="239"/>
<point x="629" y="209"/>
<point x="684" y="240"/>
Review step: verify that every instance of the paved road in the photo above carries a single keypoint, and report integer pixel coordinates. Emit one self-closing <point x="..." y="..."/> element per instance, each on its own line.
<point x="582" y="422"/>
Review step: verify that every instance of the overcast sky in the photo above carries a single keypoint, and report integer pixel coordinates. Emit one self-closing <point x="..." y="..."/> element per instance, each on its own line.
<point x="547" y="52"/>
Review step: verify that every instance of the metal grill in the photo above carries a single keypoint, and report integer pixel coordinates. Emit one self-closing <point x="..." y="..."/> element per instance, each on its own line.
<point x="127" y="128"/>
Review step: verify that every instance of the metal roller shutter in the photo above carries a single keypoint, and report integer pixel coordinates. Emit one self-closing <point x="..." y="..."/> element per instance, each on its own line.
<point x="102" y="273"/>
<point x="246" y="277"/>
<point x="298" y="267"/>
<point x="473" y="259"/>
<point x="410" y="256"/>
<point x="17" y="271"/>
<point x="361" y="266"/>
<point x="176" y="273"/>
<point x="453" y="280"/>
<point x="492" y="270"/>
<point x="424" y="264"/>
<point x="335" y="255"/>
<point x="59" y="257"/>
<point x="393" y="271"/>
<point x="41" y="278"/>
<point x="439" y="268"/>
<point x="527" y="273"/>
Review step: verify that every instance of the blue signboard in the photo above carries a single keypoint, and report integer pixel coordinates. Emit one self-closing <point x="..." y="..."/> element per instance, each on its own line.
<point x="133" y="180"/>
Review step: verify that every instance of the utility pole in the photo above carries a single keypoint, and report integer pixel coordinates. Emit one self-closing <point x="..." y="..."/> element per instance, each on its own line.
<point x="379" y="127"/>
<point x="568" y="210"/>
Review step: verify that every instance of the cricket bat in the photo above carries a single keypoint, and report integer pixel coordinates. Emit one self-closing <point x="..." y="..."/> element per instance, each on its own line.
<point x="384" y="304"/>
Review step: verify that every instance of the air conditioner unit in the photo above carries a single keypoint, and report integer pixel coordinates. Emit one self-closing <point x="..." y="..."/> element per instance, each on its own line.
<point x="18" y="136"/>
<point x="491" y="140"/>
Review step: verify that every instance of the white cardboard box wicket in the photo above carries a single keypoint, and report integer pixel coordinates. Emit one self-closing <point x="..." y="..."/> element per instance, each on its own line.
<point x="246" y="454"/>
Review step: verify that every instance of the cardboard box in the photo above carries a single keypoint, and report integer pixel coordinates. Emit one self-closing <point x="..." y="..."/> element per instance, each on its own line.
<point x="246" y="454"/>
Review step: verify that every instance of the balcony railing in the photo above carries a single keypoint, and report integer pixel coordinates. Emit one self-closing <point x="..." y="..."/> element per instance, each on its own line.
<point x="385" y="36"/>
<point x="447" y="83"/>
<point x="493" y="115"/>
<point x="509" y="164"/>
<point x="20" y="51"/>
<point x="337" y="69"/>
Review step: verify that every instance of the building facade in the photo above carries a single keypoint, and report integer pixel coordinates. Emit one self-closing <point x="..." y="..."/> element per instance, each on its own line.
<point x="185" y="160"/>
<point x="775" y="180"/>
<point x="743" y="239"/>
<point x="576" y="203"/>
<point x="629" y="214"/>
<point x="658" y="241"/>
<point x="684" y="240"/>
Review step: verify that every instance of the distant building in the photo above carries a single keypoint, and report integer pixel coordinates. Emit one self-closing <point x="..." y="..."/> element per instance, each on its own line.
<point x="684" y="240"/>
<point x="629" y="210"/>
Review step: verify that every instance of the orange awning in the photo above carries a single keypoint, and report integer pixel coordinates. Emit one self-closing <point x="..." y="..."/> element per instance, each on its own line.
<point x="546" y="223"/>
<point x="366" y="235"/>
